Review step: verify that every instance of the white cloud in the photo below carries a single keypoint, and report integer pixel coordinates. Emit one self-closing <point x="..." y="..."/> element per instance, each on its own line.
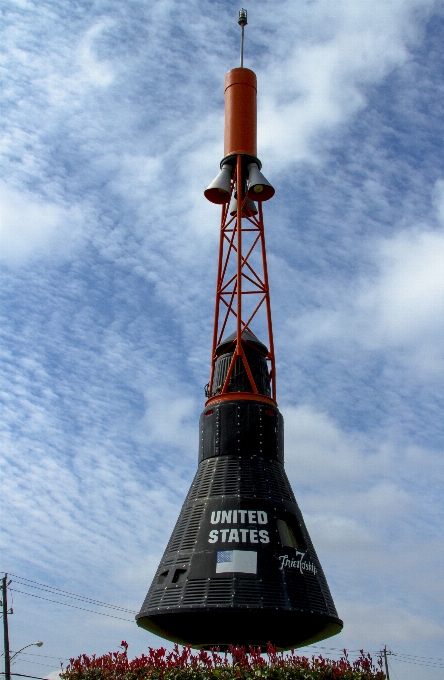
<point x="167" y="420"/>
<point x="320" y="83"/>
<point x="318" y="452"/>
<point x="53" y="675"/>
<point x="95" y="71"/>
<point x="357" y="504"/>
<point x="408" y="297"/>
<point x="378" y="622"/>
<point x="439" y="199"/>
<point x="33" y="227"/>
<point x="399" y="305"/>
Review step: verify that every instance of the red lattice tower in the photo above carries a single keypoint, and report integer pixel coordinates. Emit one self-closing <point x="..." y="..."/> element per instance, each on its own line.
<point x="242" y="290"/>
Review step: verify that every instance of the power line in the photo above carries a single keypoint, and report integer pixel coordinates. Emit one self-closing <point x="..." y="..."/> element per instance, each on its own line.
<point x="393" y="670"/>
<point x="73" y="606"/>
<point x="43" y="656"/>
<point x="336" y="649"/>
<point x="66" y="593"/>
<point x="47" y="665"/>
<point x="417" y="663"/>
<point x="24" y="676"/>
<point x="330" y="655"/>
<point x="415" y="656"/>
<point x="80" y="598"/>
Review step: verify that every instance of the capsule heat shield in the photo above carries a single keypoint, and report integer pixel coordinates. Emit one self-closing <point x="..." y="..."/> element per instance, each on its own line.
<point x="240" y="567"/>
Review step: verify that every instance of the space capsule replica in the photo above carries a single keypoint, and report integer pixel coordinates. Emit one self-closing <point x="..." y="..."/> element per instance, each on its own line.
<point x="240" y="567"/>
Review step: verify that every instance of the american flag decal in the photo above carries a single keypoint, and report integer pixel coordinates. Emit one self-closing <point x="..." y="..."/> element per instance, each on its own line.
<point x="241" y="561"/>
<point x="224" y="556"/>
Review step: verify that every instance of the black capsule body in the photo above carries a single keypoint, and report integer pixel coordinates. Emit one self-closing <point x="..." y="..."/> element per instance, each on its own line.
<point x="240" y="567"/>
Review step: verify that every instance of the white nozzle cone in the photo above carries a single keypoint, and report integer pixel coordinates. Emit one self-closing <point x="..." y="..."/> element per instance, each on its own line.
<point x="220" y="188"/>
<point x="248" y="209"/>
<point x="259" y="188"/>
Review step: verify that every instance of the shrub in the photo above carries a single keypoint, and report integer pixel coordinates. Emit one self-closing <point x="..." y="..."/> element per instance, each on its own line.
<point x="183" y="664"/>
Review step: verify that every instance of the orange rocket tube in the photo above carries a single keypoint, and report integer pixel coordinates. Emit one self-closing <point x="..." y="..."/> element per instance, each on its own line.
<point x="240" y="112"/>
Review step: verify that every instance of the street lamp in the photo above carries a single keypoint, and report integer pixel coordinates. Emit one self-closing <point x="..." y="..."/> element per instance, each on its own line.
<point x="37" y="644"/>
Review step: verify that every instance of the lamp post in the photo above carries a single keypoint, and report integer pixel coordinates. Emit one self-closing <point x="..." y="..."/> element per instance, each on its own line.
<point x="36" y="644"/>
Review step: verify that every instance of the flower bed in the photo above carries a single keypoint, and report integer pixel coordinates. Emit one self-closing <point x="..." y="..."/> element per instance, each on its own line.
<point x="241" y="664"/>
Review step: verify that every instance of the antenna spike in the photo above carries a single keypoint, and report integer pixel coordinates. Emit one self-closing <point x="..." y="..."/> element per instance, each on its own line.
<point x="242" y="21"/>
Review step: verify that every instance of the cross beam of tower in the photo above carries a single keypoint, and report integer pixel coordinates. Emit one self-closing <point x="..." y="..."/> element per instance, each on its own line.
<point x="242" y="290"/>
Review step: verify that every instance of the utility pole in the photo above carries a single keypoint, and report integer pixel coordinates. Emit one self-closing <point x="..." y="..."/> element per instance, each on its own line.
<point x="5" y="627"/>
<point x="384" y="652"/>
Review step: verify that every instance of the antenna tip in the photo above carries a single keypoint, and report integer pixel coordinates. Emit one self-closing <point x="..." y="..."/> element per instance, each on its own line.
<point x="242" y="21"/>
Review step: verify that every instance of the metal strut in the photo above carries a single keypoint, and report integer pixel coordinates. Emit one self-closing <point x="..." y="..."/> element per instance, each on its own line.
<point x="242" y="290"/>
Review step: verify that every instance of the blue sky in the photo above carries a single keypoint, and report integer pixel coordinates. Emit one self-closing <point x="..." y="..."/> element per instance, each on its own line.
<point x="113" y="127"/>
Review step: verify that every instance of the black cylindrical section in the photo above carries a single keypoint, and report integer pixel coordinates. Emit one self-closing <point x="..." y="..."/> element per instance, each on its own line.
<point x="255" y="355"/>
<point x="239" y="381"/>
<point x="241" y="428"/>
